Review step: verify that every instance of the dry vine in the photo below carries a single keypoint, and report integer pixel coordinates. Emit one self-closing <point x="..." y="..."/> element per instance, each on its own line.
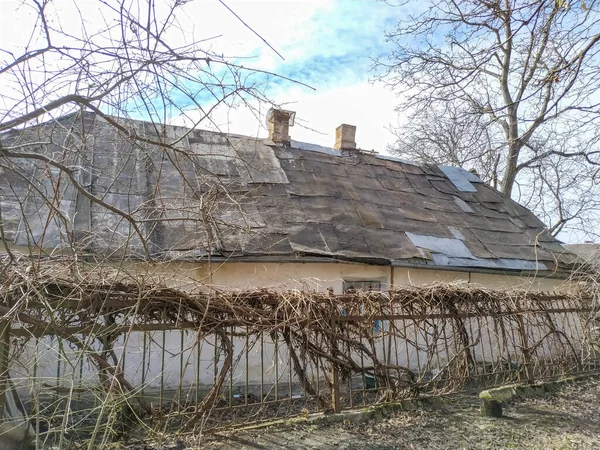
<point x="330" y="339"/>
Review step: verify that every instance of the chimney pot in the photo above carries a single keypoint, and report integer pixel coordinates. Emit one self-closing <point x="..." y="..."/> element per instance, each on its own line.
<point x="345" y="137"/>
<point x="279" y="122"/>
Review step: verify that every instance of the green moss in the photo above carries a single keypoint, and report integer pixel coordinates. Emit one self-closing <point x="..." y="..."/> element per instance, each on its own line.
<point x="501" y="394"/>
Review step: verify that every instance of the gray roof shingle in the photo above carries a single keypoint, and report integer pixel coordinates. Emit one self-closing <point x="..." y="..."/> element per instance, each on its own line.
<point x="235" y="196"/>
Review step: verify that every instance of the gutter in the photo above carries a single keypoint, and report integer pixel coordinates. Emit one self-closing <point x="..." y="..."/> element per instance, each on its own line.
<point x="337" y="260"/>
<point x="394" y="263"/>
<point x="514" y="273"/>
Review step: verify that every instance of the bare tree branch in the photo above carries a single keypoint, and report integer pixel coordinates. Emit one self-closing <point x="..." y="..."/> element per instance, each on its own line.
<point x="529" y="68"/>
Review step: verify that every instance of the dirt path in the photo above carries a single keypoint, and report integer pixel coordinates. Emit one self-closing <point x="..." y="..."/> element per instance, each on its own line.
<point x="567" y="419"/>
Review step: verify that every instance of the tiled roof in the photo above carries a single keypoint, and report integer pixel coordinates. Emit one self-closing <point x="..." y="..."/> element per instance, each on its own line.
<point x="240" y="197"/>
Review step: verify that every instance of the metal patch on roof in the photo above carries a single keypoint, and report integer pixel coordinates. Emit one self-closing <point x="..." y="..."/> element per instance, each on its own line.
<point x="314" y="148"/>
<point x="443" y="260"/>
<point x="456" y="233"/>
<point x="500" y="263"/>
<point x="449" y="247"/>
<point x="460" y="178"/>
<point x="470" y="176"/>
<point x="400" y="160"/>
<point x="520" y="264"/>
<point x="463" y="205"/>
<point x="425" y="254"/>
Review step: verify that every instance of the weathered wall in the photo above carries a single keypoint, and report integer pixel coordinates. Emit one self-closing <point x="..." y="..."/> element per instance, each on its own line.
<point x="320" y="276"/>
<point x="185" y="361"/>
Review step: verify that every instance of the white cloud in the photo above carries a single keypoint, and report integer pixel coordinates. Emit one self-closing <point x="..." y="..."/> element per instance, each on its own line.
<point x="326" y="43"/>
<point x="369" y="107"/>
<point x="283" y="24"/>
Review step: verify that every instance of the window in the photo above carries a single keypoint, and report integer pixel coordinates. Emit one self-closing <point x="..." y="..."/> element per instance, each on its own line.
<point x="367" y="286"/>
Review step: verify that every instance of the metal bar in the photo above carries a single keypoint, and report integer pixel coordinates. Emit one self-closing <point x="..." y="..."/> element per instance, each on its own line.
<point x="262" y="368"/>
<point x="424" y="330"/>
<point x="447" y="348"/>
<point x="247" y="367"/>
<point x="453" y="316"/>
<point x="58" y="360"/>
<point x="305" y="365"/>
<point x="406" y="343"/>
<point x="110" y="329"/>
<point x="35" y="331"/>
<point x="525" y="350"/>
<point x="290" y="372"/>
<point x="417" y="328"/>
<point x="396" y="347"/>
<point x="79" y="384"/>
<point x="318" y="380"/>
<point x="144" y="349"/>
<point x="36" y="394"/>
<point x="181" y="372"/>
<point x="123" y="301"/>
<point x="362" y="370"/>
<point x="231" y="370"/>
<point x="162" y="370"/>
<point x="472" y="340"/>
<point x="488" y="333"/>
<point x="276" y="359"/>
<point x="4" y="355"/>
<point x="350" y="356"/>
<point x="198" y="362"/>
<point x="335" y="376"/>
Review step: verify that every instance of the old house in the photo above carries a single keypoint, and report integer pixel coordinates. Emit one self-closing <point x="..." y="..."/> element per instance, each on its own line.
<point x="240" y="212"/>
<point x="588" y="252"/>
<point x="237" y="212"/>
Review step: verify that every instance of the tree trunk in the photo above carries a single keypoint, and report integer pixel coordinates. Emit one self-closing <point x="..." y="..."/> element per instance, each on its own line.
<point x="510" y="173"/>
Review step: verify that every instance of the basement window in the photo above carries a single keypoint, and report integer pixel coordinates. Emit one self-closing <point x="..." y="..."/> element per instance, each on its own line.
<point x="366" y="286"/>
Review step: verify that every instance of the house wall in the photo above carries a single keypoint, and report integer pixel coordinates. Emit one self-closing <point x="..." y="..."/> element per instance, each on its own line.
<point x="318" y="276"/>
<point x="191" y="363"/>
<point x="321" y="276"/>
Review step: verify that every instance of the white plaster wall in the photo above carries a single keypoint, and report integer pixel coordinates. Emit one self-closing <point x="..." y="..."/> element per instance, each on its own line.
<point x="320" y="276"/>
<point x="311" y="276"/>
<point x="530" y="283"/>
<point x="189" y="363"/>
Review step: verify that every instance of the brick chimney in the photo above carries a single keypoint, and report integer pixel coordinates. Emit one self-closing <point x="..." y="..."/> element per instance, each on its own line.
<point x="345" y="138"/>
<point x="279" y="122"/>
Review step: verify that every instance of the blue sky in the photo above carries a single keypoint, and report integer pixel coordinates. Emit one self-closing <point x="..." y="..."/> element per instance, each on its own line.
<point x="326" y="44"/>
<point x="335" y="45"/>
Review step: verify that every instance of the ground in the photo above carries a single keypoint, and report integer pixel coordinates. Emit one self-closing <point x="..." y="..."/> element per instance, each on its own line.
<point x="567" y="419"/>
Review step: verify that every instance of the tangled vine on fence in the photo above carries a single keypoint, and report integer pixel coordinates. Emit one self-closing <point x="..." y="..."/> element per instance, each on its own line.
<point x="408" y="340"/>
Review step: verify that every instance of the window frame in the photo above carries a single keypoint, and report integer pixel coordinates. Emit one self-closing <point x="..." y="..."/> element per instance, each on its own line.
<point x="379" y="325"/>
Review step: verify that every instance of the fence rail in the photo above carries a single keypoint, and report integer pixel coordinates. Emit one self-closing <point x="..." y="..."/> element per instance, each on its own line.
<point x="90" y="361"/>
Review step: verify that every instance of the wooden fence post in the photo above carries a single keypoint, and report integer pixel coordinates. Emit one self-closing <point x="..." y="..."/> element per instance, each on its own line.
<point x="524" y="344"/>
<point x="335" y="376"/>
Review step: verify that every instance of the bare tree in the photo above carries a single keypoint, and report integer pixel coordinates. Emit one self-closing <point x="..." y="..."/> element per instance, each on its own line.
<point x="452" y="136"/>
<point x="130" y="60"/>
<point x="526" y="72"/>
<point x="72" y="83"/>
<point x="119" y="61"/>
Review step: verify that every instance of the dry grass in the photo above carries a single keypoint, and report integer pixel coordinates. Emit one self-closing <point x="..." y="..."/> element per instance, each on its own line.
<point x="565" y="420"/>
